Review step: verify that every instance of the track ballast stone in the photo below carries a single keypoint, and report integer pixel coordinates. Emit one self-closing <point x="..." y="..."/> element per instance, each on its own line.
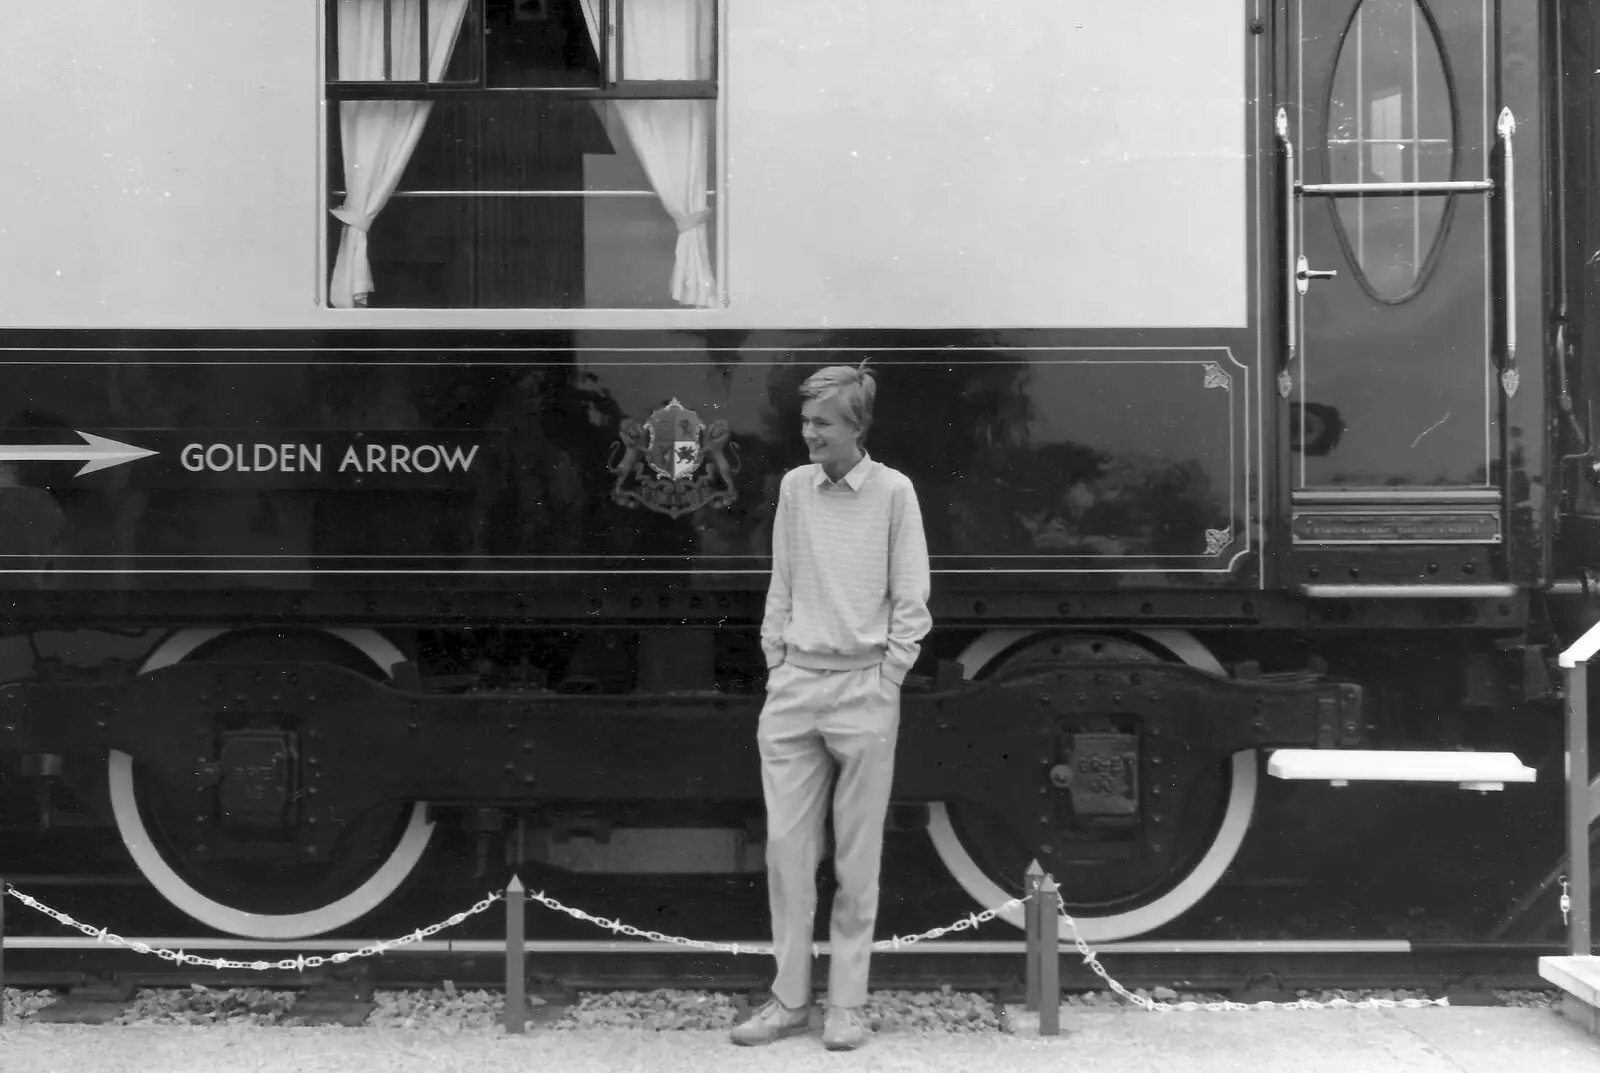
<point x="21" y="1004"/>
<point x="203" y="1006"/>
<point x="676" y="1010"/>
<point x="453" y="1010"/>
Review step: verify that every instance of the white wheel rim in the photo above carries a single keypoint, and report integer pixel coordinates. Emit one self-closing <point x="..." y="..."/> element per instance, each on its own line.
<point x="136" y="837"/>
<point x="1199" y="881"/>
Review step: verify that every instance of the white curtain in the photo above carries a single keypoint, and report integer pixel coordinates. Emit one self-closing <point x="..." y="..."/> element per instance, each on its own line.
<point x="671" y="39"/>
<point x="379" y="136"/>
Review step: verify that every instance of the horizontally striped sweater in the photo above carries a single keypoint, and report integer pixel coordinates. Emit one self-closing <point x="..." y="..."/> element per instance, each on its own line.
<point x="849" y="572"/>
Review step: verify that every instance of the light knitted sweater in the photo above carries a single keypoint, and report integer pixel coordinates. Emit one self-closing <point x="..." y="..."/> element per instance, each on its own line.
<point x="849" y="572"/>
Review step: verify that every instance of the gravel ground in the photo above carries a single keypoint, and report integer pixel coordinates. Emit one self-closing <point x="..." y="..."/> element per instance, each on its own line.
<point x="1413" y="1041"/>
<point x="1536" y="999"/>
<point x="454" y="1010"/>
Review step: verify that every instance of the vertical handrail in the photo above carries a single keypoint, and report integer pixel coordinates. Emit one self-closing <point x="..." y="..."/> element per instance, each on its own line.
<point x="1575" y="662"/>
<point x="1506" y="125"/>
<point x="1292" y="328"/>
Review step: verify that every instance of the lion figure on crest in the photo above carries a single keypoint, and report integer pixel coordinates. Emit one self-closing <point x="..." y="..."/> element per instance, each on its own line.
<point x="714" y="487"/>
<point x="714" y="442"/>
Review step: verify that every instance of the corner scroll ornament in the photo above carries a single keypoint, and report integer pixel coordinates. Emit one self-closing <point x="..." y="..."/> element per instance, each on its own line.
<point x="1217" y="540"/>
<point x="1215" y="377"/>
<point x="673" y="463"/>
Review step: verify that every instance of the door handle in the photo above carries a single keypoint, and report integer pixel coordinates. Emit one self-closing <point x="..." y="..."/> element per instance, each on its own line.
<point x="1304" y="274"/>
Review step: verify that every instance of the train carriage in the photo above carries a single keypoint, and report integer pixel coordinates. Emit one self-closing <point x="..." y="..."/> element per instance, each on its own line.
<point x="396" y="395"/>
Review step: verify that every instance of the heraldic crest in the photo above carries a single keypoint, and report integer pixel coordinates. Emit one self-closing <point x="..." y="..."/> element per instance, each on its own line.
<point x="673" y="464"/>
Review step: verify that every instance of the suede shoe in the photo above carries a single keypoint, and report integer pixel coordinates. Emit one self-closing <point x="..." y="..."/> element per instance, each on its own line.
<point x="770" y="1023"/>
<point x="844" y="1029"/>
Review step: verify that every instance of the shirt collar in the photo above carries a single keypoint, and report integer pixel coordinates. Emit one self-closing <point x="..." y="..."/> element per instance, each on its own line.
<point x="855" y="478"/>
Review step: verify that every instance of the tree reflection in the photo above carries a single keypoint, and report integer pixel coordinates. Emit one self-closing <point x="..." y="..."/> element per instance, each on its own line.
<point x="962" y="422"/>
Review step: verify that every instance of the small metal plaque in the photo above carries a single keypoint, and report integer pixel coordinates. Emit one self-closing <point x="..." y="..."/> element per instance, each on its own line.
<point x="256" y="778"/>
<point x="1383" y="527"/>
<point x="1104" y="774"/>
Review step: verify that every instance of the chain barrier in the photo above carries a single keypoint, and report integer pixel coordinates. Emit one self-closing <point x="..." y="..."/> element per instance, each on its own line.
<point x="1158" y="1006"/>
<point x="299" y="963"/>
<point x="899" y="942"/>
<point x="972" y="920"/>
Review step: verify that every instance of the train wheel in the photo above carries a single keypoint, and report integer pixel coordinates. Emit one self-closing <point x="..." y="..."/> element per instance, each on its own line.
<point x="261" y="891"/>
<point x="1109" y="901"/>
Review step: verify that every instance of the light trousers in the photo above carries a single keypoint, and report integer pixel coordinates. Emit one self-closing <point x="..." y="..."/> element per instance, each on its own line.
<point x="814" y="722"/>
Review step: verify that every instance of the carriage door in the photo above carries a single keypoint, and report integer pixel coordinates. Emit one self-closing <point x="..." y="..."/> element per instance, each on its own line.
<point x="1387" y="133"/>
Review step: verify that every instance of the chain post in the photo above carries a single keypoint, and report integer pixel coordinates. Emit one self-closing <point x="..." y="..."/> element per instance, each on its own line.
<point x="1049" y="959"/>
<point x="516" y="1012"/>
<point x="1033" y="929"/>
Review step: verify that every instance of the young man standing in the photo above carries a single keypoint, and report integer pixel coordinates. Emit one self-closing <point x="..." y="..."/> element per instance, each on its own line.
<point x="846" y="610"/>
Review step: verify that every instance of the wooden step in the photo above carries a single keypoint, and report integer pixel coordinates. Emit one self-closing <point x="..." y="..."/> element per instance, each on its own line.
<point x="1473" y="771"/>
<point x="1579" y="977"/>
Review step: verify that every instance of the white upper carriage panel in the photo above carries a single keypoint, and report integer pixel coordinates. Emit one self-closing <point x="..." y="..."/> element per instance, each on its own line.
<point x="591" y="163"/>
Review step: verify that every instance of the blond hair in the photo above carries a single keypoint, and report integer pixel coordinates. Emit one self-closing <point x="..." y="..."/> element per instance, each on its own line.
<point x="854" y="387"/>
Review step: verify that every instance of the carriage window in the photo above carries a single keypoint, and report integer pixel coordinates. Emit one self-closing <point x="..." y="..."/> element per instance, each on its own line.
<point x="1390" y="120"/>
<point x="521" y="153"/>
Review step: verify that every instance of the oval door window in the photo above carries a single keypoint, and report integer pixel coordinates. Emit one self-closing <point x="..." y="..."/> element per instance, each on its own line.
<point x="1391" y="119"/>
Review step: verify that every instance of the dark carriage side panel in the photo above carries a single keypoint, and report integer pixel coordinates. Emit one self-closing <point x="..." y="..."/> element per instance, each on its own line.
<point x="1576" y="223"/>
<point x="282" y="467"/>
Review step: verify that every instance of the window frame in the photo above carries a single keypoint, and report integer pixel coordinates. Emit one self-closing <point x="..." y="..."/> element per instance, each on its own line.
<point x="334" y="91"/>
<point x="613" y="24"/>
<point x="1351" y="239"/>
